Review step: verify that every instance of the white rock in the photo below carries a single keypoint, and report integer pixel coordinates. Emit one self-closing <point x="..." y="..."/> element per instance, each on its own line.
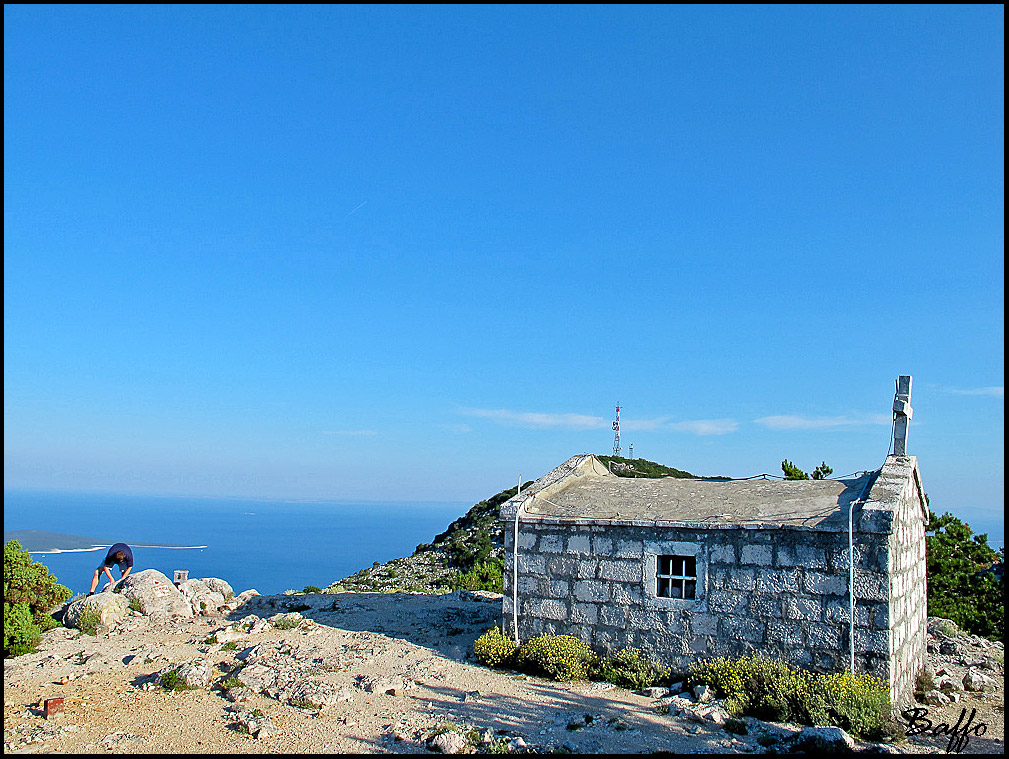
<point x="156" y="593"/>
<point x="827" y="738"/>
<point x="448" y="743"/>
<point x="704" y="693"/>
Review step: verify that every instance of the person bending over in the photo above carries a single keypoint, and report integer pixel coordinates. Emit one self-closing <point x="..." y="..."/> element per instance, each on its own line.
<point x="119" y="554"/>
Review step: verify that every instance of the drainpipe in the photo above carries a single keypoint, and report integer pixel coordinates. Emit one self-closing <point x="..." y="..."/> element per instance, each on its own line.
<point x="515" y="568"/>
<point x="851" y="574"/>
<point x="851" y="588"/>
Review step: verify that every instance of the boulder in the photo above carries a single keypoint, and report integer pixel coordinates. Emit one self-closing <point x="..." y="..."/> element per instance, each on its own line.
<point x="654" y="691"/>
<point x="201" y="598"/>
<point x="259" y="677"/>
<point x="372" y="684"/>
<point x="449" y="742"/>
<point x="111" y="608"/>
<point x="195" y="674"/>
<point x="254" y="723"/>
<point x="948" y="684"/>
<point x="975" y="681"/>
<point x="218" y="585"/>
<point x="936" y="698"/>
<point x="156" y="593"/>
<point x="950" y="648"/>
<point x="704" y="693"/>
<point x="318" y="693"/>
<point x="825" y="739"/>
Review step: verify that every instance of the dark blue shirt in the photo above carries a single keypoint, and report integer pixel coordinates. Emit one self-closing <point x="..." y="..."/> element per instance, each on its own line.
<point x="110" y="557"/>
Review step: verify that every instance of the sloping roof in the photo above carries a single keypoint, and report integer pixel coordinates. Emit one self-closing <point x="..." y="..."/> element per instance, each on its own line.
<point x="582" y="489"/>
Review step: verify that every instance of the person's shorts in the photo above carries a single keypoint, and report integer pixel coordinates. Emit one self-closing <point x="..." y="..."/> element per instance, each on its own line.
<point x="103" y="566"/>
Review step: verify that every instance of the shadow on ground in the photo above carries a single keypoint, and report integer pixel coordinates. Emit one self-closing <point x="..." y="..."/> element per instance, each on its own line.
<point x="446" y="623"/>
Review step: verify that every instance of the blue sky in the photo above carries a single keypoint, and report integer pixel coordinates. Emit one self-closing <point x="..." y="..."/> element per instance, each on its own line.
<point x="417" y="252"/>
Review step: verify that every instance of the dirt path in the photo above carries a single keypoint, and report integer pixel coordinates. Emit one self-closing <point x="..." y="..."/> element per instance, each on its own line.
<point x="418" y="644"/>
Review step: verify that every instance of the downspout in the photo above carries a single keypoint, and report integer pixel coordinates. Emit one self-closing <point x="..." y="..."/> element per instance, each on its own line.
<point x="515" y="568"/>
<point x="851" y="574"/>
<point x="851" y="588"/>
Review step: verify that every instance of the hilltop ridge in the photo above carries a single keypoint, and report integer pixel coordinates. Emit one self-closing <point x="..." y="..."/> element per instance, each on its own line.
<point x="469" y="553"/>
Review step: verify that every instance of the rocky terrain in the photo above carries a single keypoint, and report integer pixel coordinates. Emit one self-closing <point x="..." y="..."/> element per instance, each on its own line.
<point x="198" y="669"/>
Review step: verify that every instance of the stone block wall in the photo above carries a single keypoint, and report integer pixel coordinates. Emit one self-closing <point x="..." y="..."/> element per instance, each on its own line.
<point x="908" y="589"/>
<point x="782" y="591"/>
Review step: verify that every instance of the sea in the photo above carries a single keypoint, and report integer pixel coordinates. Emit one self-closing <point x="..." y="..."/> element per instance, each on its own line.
<point x="267" y="545"/>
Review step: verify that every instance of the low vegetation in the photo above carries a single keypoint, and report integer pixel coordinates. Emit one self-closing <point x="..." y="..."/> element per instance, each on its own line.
<point x="623" y="467"/>
<point x="758" y="686"/>
<point x="564" y="657"/>
<point x="171" y="681"/>
<point x="772" y="690"/>
<point x="30" y="595"/>
<point x="89" y="620"/>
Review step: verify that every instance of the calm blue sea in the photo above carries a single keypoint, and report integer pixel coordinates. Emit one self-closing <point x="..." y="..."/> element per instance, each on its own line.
<point x="271" y="546"/>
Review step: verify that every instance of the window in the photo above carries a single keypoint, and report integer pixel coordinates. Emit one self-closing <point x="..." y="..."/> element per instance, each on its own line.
<point x="675" y="576"/>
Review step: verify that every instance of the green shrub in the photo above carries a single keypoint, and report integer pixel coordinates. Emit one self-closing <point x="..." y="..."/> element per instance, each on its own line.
<point x="30" y="594"/>
<point x="285" y="624"/>
<point x="771" y="690"/>
<point x="959" y="587"/>
<point x="21" y="634"/>
<point x="89" y="620"/>
<point x="484" y="575"/>
<point x="494" y="649"/>
<point x="630" y="669"/>
<point x="561" y="657"/>
<point x="136" y="605"/>
<point x="171" y="681"/>
<point x="230" y="646"/>
<point x="231" y="682"/>
<point x="313" y="589"/>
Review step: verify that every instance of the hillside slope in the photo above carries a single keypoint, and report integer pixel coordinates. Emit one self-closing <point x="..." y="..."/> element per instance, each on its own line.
<point x="469" y="553"/>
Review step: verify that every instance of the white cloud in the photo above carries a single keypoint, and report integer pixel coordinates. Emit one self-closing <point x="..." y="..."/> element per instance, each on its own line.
<point x="994" y="392"/>
<point x="707" y="426"/>
<point x="536" y="420"/>
<point x="792" y="422"/>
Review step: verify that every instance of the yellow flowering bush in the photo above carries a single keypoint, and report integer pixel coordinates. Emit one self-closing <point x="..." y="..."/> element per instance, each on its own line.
<point x="770" y="689"/>
<point x="494" y="649"/>
<point x="630" y="668"/>
<point x="562" y="657"/>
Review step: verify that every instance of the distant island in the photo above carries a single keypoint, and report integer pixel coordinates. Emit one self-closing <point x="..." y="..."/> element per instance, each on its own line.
<point x="40" y="541"/>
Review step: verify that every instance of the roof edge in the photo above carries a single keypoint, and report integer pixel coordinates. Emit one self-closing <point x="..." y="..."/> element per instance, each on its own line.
<point x="554" y="481"/>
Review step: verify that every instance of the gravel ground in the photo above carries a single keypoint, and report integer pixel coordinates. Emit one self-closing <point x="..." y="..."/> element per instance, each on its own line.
<point x="419" y="642"/>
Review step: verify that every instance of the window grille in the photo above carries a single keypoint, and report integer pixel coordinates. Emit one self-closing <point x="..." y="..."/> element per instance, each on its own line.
<point x="676" y="576"/>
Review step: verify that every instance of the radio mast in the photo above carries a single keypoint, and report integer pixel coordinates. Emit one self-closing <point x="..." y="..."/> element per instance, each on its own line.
<point x="616" y="433"/>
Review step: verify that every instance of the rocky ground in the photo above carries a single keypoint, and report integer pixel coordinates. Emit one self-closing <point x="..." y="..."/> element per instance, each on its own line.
<point x="386" y="673"/>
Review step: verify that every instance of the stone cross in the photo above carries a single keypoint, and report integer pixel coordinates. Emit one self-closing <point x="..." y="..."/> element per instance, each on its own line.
<point x="902" y="413"/>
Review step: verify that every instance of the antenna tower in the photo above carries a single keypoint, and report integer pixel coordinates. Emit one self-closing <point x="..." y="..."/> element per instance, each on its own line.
<point x="616" y="433"/>
<point x="631" y="454"/>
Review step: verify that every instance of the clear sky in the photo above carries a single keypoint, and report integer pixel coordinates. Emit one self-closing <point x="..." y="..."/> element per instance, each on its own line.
<point x="418" y="252"/>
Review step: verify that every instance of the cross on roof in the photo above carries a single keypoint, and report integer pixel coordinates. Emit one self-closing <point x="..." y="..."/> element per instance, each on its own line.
<point x="902" y="413"/>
